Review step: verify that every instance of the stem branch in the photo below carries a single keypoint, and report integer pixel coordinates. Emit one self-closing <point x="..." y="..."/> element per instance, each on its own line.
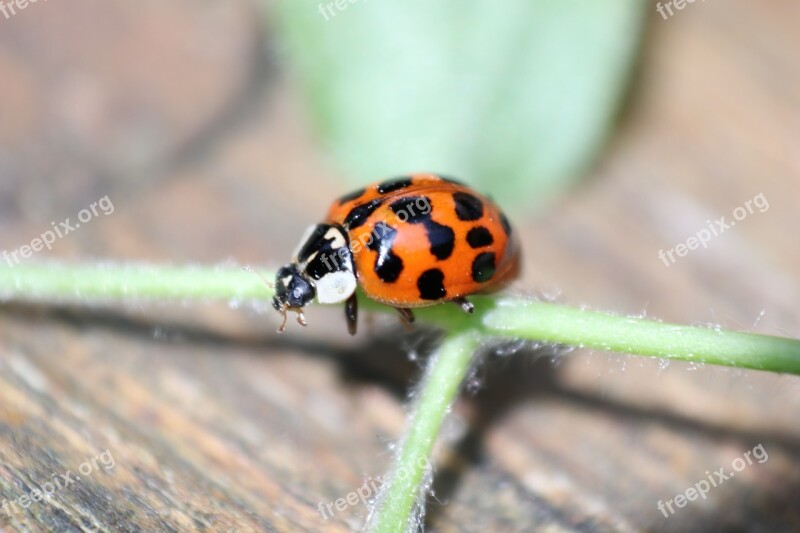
<point x="401" y="494"/>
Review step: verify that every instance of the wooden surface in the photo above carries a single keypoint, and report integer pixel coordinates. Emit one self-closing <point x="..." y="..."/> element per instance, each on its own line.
<point x="215" y="423"/>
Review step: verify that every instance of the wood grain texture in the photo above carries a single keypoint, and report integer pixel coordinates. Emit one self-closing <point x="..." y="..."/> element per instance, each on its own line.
<point x="216" y="423"/>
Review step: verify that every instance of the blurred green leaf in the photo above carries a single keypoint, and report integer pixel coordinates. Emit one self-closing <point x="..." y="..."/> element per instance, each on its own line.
<point x="514" y="97"/>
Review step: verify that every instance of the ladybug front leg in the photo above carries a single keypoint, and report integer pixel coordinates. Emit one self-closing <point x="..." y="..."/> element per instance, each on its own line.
<point x="351" y="313"/>
<point x="406" y="314"/>
<point x="465" y="305"/>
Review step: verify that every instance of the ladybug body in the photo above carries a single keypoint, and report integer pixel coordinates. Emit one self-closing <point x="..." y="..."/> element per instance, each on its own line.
<point x="409" y="242"/>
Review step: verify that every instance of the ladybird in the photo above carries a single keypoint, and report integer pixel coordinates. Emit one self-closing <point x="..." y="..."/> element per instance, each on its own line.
<point x="409" y="242"/>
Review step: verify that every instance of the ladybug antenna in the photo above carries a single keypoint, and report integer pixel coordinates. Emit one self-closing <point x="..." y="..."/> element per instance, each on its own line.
<point x="248" y="268"/>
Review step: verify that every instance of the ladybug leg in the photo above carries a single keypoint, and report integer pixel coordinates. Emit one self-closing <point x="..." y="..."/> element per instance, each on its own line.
<point x="282" y="327"/>
<point x="406" y="314"/>
<point x="351" y="313"/>
<point x="301" y="319"/>
<point x="465" y="305"/>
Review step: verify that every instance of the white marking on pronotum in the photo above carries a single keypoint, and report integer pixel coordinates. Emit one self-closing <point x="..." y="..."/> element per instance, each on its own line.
<point x="338" y="239"/>
<point x="335" y="287"/>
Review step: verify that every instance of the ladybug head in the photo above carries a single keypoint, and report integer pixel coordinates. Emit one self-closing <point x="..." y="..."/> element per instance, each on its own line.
<point x="322" y="268"/>
<point x="293" y="291"/>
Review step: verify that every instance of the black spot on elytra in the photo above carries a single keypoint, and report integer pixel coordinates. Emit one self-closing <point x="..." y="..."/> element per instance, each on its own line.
<point x="352" y="196"/>
<point x="409" y="206"/>
<point x="468" y="207"/>
<point x="431" y="285"/>
<point x="505" y="223"/>
<point x="382" y="235"/>
<point x="442" y="239"/>
<point x="388" y="266"/>
<point x="478" y="237"/>
<point x="359" y="214"/>
<point x="393" y="185"/>
<point x="483" y="267"/>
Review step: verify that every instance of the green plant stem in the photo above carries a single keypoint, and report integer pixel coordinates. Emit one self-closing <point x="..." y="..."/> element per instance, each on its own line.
<point x="499" y="317"/>
<point x="112" y="281"/>
<point x="401" y="493"/>
<point x="549" y="322"/>
<point x="494" y="317"/>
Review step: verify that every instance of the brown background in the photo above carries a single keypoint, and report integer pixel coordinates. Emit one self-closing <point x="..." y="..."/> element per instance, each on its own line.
<point x="187" y="120"/>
